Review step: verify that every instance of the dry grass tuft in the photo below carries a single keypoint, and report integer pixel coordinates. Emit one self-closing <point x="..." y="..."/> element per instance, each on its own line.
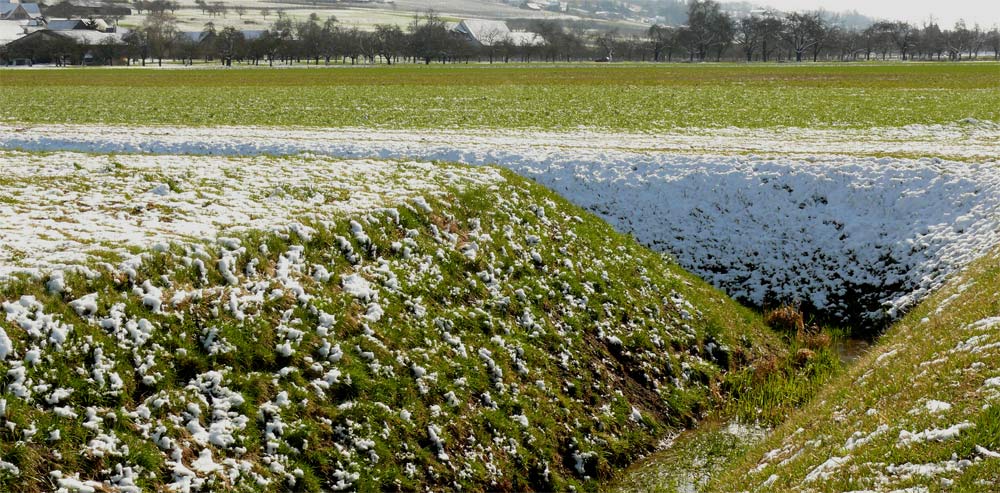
<point x="813" y="338"/>
<point x="803" y="357"/>
<point x="786" y="319"/>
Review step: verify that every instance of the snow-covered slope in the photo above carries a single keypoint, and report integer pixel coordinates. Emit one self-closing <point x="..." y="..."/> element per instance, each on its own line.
<point x="61" y="209"/>
<point x="430" y="328"/>
<point x="919" y="413"/>
<point x="851" y="237"/>
<point x="805" y="217"/>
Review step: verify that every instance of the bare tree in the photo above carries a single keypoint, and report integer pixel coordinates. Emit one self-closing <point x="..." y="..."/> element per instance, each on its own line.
<point x="848" y="43"/>
<point x="993" y="41"/>
<point x="429" y="38"/>
<point x="663" y="39"/>
<point x="218" y="8"/>
<point x="902" y="35"/>
<point x="931" y="41"/>
<point x="958" y="40"/>
<point x="821" y="32"/>
<point x="185" y="48"/>
<point x="389" y="42"/>
<point x="748" y="36"/>
<point x="607" y="42"/>
<point x="977" y="39"/>
<point x="137" y="45"/>
<point x="769" y="27"/>
<point x="160" y="30"/>
<point x="490" y="40"/>
<point x="231" y="44"/>
<point x="799" y="32"/>
<point x="310" y="38"/>
<point x="708" y="27"/>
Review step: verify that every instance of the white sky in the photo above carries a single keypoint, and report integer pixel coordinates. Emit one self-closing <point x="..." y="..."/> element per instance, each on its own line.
<point x="946" y="12"/>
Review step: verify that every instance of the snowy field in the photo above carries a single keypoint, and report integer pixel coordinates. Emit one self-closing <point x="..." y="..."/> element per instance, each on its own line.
<point x="65" y="208"/>
<point x="191" y="18"/>
<point x="788" y="214"/>
<point x="964" y="141"/>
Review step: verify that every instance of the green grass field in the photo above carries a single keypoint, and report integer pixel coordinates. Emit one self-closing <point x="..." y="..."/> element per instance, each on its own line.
<point x="617" y="97"/>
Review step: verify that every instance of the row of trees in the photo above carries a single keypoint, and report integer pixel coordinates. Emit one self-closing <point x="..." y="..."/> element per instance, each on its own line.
<point x="708" y="34"/>
<point x="313" y="40"/>
<point x="712" y="33"/>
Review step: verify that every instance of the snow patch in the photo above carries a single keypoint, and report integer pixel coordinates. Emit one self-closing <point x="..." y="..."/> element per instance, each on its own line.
<point x="816" y="225"/>
<point x="907" y="438"/>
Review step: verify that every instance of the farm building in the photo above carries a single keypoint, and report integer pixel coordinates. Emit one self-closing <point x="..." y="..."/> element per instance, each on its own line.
<point x="16" y="11"/>
<point x="486" y="33"/>
<point x="208" y="37"/>
<point x="66" y="24"/>
<point x="85" y="8"/>
<point x="78" y="47"/>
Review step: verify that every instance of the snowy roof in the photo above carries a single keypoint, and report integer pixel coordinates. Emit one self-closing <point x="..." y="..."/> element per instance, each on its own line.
<point x="31" y="9"/>
<point x="253" y="34"/>
<point x="30" y="28"/>
<point x="524" y="38"/>
<point x="489" y="33"/>
<point x="66" y="24"/>
<point x="10" y="30"/>
<point x="92" y="38"/>
<point x="199" y="36"/>
<point x="483" y="30"/>
<point x="196" y="36"/>
<point x="91" y="4"/>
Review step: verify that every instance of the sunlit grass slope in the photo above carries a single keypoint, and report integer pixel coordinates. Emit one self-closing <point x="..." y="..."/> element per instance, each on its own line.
<point x="922" y="410"/>
<point x="495" y="339"/>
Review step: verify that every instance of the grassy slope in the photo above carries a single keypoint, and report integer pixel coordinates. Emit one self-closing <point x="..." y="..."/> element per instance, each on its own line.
<point x="930" y="355"/>
<point x="556" y="348"/>
<point x="760" y="397"/>
<point x="643" y="97"/>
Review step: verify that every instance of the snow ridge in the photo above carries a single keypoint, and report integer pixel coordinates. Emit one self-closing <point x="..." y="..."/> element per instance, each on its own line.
<point x="857" y="238"/>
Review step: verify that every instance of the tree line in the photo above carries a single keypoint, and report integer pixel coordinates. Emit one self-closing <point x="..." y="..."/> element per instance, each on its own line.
<point x="711" y="33"/>
<point x="708" y="34"/>
<point x="427" y="39"/>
